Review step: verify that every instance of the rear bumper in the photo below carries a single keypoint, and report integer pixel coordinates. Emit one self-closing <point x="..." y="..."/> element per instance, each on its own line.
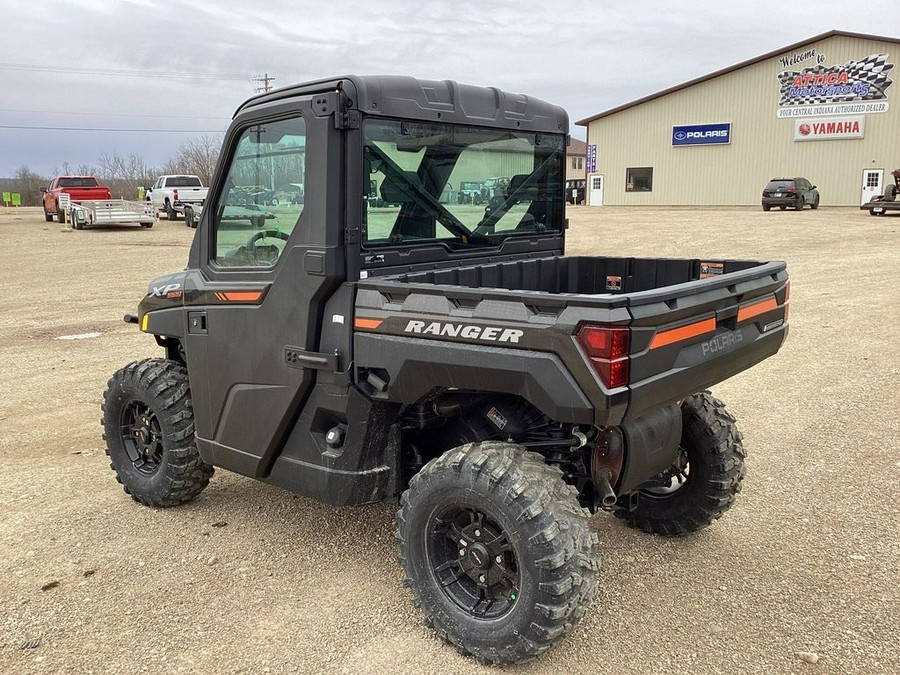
<point x="780" y="201"/>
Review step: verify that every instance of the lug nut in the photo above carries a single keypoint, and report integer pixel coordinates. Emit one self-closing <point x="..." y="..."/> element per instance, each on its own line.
<point x="462" y="552"/>
<point x="477" y="533"/>
<point x="499" y="559"/>
<point x="482" y="578"/>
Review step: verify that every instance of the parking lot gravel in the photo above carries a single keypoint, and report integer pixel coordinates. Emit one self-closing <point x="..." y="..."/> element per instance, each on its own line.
<point x="800" y="577"/>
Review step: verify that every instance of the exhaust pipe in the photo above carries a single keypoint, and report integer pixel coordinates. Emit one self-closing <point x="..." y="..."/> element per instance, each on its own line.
<point x="604" y="491"/>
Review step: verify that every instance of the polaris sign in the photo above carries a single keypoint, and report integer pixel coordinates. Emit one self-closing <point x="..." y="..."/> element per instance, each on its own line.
<point x="702" y="134"/>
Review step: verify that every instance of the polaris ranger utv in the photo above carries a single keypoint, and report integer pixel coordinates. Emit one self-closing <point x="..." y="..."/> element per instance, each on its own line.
<point x="448" y="356"/>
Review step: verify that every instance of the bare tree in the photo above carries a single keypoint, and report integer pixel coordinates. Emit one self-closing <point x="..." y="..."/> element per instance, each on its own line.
<point x="198" y="157"/>
<point x="29" y="184"/>
<point x="123" y="174"/>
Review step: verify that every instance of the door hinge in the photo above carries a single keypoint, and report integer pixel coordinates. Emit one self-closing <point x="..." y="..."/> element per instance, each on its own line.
<point x="348" y="119"/>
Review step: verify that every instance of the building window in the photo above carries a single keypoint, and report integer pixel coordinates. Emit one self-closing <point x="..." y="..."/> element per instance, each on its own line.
<point x="580" y="163"/>
<point x="639" y="179"/>
<point x="872" y="179"/>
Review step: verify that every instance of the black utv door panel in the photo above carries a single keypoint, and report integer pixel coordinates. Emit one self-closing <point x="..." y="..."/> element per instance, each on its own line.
<point x="265" y="219"/>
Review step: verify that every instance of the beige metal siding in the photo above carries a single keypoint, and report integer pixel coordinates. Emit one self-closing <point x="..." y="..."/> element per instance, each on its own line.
<point x="762" y="145"/>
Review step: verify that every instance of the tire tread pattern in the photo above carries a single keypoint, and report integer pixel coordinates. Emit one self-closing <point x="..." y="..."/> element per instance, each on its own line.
<point x="718" y="445"/>
<point x="561" y="540"/>
<point x="183" y="474"/>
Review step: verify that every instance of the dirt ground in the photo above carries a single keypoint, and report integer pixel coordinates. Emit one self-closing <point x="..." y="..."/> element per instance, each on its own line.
<point x="251" y="579"/>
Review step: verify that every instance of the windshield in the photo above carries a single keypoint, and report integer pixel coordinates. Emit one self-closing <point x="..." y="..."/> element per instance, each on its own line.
<point x="461" y="186"/>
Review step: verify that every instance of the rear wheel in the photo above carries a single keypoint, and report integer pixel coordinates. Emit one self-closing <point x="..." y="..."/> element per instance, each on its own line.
<point x="497" y="551"/>
<point x="48" y="217"/>
<point x="766" y="207"/>
<point x="189" y="216"/>
<point x="60" y="215"/>
<point x="800" y="203"/>
<point x="890" y="193"/>
<point x="148" y="425"/>
<point x="704" y="480"/>
<point x="171" y="213"/>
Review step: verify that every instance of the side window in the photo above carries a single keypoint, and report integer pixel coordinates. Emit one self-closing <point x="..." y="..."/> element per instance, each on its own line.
<point x="262" y="199"/>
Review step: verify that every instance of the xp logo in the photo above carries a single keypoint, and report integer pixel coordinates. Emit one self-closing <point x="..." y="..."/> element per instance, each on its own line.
<point x="163" y="291"/>
<point x="804" y="129"/>
<point x="680" y="135"/>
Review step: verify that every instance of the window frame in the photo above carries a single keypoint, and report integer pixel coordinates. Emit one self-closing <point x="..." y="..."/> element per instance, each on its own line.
<point x="205" y="245"/>
<point x="629" y="173"/>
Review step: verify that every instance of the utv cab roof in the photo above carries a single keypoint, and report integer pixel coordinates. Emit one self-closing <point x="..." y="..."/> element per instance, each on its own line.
<point x="431" y="100"/>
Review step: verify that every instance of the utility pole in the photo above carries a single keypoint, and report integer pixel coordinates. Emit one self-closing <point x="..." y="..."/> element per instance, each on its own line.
<point x="266" y="80"/>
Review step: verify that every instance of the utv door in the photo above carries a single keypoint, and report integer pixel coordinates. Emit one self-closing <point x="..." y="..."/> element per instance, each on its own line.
<point x="265" y="272"/>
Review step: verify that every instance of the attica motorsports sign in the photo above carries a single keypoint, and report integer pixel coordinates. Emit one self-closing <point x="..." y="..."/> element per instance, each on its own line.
<point x="702" y="134"/>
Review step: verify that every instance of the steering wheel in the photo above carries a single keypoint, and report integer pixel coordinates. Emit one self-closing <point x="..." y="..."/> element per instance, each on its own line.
<point x="266" y="234"/>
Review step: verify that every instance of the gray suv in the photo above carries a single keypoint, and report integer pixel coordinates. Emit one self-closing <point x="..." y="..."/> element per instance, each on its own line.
<point x="793" y="192"/>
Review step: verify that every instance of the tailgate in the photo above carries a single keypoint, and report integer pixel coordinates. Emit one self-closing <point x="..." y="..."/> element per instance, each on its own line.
<point x="688" y="337"/>
<point x="79" y="195"/>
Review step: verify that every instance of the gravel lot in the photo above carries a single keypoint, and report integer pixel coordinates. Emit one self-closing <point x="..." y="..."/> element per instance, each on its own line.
<point x="252" y="579"/>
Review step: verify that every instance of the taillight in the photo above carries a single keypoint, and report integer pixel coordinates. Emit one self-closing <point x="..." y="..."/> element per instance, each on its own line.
<point x="175" y="195"/>
<point x="792" y="191"/>
<point x="765" y="193"/>
<point x="607" y="349"/>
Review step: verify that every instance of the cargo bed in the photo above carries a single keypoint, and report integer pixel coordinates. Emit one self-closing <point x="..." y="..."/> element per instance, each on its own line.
<point x="692" y="322"/>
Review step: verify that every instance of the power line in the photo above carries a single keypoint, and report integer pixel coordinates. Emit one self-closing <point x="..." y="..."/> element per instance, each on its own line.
<point x="108" y="114"/>
<point x="174" y="75"/>
<point x="151" y="131"/>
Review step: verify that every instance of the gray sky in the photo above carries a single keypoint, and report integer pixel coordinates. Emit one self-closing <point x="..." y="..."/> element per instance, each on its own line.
<point x="586" y="56"/>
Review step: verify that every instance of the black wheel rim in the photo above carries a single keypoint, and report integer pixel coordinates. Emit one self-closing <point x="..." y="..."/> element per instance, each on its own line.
<point x="142" y="437"/>
<point x="670" y="481"/>
<point x="473" y="561"/>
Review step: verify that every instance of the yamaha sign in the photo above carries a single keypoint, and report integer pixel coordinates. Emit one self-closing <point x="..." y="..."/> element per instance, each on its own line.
<point x="702" y="134"/>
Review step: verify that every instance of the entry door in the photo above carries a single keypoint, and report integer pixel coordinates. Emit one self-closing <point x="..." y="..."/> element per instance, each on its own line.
<point x="258" y="302"/>
<point x="596" y="191"/>
<point x="871" y="184"/>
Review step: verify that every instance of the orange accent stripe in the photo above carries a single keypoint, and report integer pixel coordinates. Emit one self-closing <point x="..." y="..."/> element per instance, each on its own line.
<point x="368" y="324"/>
<point x="667" y="337"/>
<point x="242" y="296"/>
<point x="757" y="308"/>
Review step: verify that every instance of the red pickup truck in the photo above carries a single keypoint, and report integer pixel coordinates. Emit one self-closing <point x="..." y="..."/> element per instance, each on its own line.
<point x="79" y="189"/>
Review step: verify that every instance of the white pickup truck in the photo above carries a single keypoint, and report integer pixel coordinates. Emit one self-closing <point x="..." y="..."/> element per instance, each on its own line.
<point x="171" y="193"/>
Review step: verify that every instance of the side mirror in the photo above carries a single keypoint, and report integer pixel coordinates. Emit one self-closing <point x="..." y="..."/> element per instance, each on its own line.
<point x="43" y="191"/>
<point x="814" y="187"/>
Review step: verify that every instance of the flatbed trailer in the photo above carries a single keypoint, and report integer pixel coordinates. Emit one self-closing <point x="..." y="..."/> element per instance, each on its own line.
<point x="111" y="212"/>
<point x="880" y="207"/>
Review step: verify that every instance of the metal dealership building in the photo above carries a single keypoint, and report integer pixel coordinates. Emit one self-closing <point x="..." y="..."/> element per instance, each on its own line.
<point x="820" y="109"/>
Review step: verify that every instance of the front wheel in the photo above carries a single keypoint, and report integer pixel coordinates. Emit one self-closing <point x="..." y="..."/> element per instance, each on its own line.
<point x="497" y="551"/>
<point x="704" y="480"/>
<point x="148" y="425"/>
<point x="815" y="203"/>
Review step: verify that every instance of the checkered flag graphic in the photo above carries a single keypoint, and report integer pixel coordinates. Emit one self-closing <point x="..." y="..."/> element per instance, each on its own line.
<point x="867" y="80"/>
